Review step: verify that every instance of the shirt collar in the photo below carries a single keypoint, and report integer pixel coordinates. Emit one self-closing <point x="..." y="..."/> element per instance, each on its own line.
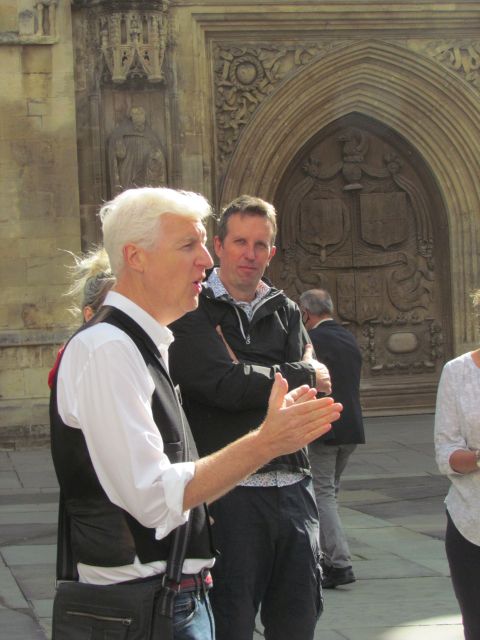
<point x="219" y="290"/>
<point x="159" y="333"/>
<point x="321" y="322"/>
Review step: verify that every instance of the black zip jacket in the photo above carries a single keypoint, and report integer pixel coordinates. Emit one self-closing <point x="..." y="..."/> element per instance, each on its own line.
<point x="223" y="400"/>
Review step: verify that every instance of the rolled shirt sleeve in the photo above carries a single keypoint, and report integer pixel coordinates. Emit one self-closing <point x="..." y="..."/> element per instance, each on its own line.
<point x="448" y="434"/>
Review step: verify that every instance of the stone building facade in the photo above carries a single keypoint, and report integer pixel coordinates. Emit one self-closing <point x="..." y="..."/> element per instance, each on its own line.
<point x="359" y="120"/>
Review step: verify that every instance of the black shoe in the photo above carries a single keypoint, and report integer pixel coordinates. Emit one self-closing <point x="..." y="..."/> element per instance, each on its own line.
<point x="336" y="576"/>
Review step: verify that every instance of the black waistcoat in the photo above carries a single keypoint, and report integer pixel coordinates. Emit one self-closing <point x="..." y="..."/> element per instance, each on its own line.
<point x="101" y="533"/>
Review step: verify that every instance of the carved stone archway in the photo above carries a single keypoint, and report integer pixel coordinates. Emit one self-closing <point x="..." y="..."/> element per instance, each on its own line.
<point x="433" y="109"/>
<point x="360" y="215"/>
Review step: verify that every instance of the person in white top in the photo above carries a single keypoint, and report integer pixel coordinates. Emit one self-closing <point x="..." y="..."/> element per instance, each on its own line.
<point x="457" y="447"/>
<point x="106" y="402"/>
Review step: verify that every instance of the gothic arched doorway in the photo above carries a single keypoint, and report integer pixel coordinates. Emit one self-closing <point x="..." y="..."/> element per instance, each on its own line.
<point x="360" y="215"/>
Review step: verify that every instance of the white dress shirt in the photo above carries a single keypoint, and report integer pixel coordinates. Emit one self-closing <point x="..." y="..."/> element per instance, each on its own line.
<point x="457" y="426"/>
<point x="104" y="388"/>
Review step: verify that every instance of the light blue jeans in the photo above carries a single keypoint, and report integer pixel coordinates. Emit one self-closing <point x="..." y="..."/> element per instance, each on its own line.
<point x="193" y="618"/>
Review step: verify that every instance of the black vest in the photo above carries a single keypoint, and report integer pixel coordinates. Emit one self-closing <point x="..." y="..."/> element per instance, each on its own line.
<point x="101" y="533"/>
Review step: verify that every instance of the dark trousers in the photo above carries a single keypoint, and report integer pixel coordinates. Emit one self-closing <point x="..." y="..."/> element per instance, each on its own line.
<point x="464" y="561"/>
<point x="268" y="541"/>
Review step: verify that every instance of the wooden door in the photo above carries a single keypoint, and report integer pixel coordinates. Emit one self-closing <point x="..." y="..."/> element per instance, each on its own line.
<point x="360" y="215"/>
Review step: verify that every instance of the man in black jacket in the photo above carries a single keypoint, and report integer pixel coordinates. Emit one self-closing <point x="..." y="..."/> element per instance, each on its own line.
<point x="329" y="455"/>
<point x="225" y="357"/>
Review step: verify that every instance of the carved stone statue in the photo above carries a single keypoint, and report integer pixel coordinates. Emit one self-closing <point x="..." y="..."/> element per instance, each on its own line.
<point x="135" y="155"/>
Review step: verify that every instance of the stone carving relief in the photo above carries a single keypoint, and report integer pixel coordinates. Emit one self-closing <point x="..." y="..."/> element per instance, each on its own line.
<point x="135" y="154"/>
<point x="36" y="23"/>
<point x="244" y="77"/>
<point x="46" y="16"/>
<point x="356" y="220"/>
<point x="457" y="55"/>
<point x="133" y="43"/>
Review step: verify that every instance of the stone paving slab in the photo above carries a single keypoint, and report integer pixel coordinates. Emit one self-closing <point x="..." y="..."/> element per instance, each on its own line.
<point x="391" y="505"/>
<point x="402" y="542"/>
<point x="358" y="496"/>
<point x="394" y="567"/>
<point x="28" y="517"/>
<point x="21" y="555"/>
<point x="34" y="478"/>
<point x="437" y="631"/>
<point x="11" y="596"/>
<point x="42" y="607"/>
<point x="389" y="510"/>
<point x="37" y="581"/>
<point x="358" y="519"/>
<point x="404" y="601"/>
<point x="20" y="624"/>
<point x="6" y="463"/>
<point x="21" y="497"/>
<point x="9" y="480"/>
<point x="28" y="507"/>
<point x="20" y="534"/>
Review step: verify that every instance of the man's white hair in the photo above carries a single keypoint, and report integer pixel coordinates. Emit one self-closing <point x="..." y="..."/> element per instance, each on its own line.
<point x="135" y="215"/>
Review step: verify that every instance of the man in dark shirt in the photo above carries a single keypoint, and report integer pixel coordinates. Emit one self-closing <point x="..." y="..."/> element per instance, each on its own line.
<point x="224" y="357"/>
<point x="338" y="349"/>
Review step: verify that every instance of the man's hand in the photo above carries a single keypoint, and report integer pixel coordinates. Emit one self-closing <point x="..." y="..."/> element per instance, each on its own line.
<point x="322" y="376"/>
<point x="295" y="419"/>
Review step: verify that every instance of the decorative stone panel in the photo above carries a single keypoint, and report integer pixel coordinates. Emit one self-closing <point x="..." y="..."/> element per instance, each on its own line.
<point x="244" y="77"/>
<point x="460" y="56"/>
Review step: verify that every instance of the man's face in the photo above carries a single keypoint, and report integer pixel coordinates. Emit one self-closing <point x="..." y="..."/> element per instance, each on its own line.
<point x="244" y="254"/>
<point x="175" y="268"/>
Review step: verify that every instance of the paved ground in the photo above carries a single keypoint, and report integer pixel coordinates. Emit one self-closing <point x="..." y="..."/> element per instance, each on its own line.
<point x="392" y="506"/>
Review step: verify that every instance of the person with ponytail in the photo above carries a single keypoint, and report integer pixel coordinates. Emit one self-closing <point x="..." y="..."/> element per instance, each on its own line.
<point x="92" y="279"/>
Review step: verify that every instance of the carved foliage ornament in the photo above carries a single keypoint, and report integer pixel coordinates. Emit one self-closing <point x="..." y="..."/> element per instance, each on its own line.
<point x="244" y="77"/>
<point x="460" y="56"/>
<point x="133" y="43"/>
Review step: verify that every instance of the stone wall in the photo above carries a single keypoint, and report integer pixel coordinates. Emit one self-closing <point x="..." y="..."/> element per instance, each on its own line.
<point x="233" y="91"/>
<point x="38" y="205"/>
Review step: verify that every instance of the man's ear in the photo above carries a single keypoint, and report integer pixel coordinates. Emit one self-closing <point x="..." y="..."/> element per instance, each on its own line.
<point x="134" y="257"/>
<point x="273" y="251"/>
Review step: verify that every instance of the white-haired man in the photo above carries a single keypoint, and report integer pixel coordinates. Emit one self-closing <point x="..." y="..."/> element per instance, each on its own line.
<point x="119" y="438"/>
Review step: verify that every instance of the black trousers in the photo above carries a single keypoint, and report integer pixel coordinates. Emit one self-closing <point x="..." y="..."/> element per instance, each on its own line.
<point x="464" y="561"/>
<point x="268" y="541"/>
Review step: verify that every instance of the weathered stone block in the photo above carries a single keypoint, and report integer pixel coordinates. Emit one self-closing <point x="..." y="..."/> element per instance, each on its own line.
<point x="42" y="270"/>
<point x="37" y="108"/>
<point x="37" y="86"/>
<point x="21" y="358"/>
<point x="37" y="59"/>
<point x="36" y="385"/>
<point x="12" y="383"/>
<point x="8" y="15"/>
<point x="12" y="277"/>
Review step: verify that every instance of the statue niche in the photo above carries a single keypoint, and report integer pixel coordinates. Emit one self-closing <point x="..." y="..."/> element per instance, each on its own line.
<point x="135" y="155"/>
